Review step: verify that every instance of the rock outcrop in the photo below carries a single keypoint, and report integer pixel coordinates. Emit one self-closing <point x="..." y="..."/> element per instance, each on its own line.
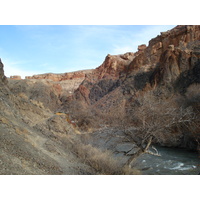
<point x="2" y="76"/>
<point x="161" y="62"/>
<point x="15" y="77"/>
<point x="61" y="77"/>
<point x="104" y="78"/>
<point x="142" y="47"/>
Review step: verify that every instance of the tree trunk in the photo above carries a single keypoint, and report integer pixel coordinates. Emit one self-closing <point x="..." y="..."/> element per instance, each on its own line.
<point x="139" y="152"/>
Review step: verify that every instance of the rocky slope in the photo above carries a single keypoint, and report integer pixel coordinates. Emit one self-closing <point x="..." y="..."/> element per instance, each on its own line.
<point x="34" y="140"/>
<point x="49" y="89"/>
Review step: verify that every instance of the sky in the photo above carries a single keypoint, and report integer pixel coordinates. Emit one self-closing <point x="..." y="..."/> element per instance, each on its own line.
<point x="35" y="49"/>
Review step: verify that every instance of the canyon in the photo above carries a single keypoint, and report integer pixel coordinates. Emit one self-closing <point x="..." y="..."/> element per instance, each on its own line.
<point x="152" y="93"/>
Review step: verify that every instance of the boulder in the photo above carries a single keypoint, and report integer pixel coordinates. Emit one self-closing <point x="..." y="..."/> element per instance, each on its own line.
<point x="142" y="47"/>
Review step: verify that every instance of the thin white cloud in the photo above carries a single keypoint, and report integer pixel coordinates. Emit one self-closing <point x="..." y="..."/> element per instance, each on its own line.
<point x="89" y="45"/>
<point x="151" y="31"/>
<point x="131" y="43"/>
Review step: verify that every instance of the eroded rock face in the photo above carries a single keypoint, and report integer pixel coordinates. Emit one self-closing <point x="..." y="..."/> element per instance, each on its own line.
<point x="2" y="76"/>
<point x="103" y="79"/>
<point x="165" y="59"/>
<point x="16" y="77"/>
<point x="167" y="66"/>
<point x="161" y="62"/>
<point x="113" y="66"/>
<point x="142" y="47"/>
<point x="61" y="77"/>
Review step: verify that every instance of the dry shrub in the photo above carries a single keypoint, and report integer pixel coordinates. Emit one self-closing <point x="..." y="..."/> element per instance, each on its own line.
<point x="37" y="103"/>
<point x="193" y="92"/>
<point x="192" y="97"/>
<point x="23" y="95"/>
<point x="164" y="119"/>
<point x="3" y="120"/>
<point x="21" y="131"/>
<point x="102" y="162"/>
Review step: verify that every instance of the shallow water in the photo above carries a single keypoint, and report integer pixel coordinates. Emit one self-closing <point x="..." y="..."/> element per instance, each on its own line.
<point x="172" y="161"/>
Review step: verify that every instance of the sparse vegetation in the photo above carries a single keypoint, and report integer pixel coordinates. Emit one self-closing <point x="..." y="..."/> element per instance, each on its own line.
<point x="37" y="103"/>
<point x="102" y="162"/>
<point x="129" y="104"/>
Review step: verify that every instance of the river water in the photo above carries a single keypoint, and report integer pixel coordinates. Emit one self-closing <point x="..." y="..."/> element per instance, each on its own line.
<point x="173" y="161"/>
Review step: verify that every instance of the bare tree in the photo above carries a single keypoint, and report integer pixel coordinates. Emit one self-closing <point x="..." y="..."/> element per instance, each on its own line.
<point x="158" y="120"/>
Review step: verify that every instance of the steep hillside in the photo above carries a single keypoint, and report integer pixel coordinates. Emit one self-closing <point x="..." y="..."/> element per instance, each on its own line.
<point x="34" y="140"/>
<point x="47" y="89"/>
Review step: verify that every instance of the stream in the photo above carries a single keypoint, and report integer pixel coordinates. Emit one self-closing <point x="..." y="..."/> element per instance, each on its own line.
<point x="173" y="161"/>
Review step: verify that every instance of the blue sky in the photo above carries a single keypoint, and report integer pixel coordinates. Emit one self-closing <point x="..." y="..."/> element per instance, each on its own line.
<point x="34" y="49"/>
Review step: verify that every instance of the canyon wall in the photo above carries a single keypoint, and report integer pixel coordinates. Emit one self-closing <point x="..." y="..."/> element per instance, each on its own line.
<point x="168" y="69"/>
<point x="61" y="77"/>
<point x="164" y="61"/>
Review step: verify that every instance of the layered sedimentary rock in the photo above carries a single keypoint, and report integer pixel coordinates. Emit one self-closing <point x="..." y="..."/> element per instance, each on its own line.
<point x="168" y="66"/>
<point x="167" y="56"/>
<point x="48" y="88"/>
<point x="16" y="77"/>
<point x="61" y="77"/>
<point x="104" y="78"/>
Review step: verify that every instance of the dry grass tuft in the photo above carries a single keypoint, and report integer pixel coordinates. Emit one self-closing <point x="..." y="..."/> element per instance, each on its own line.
<point x="37" y="103"/>
<point x="102" y="162"/>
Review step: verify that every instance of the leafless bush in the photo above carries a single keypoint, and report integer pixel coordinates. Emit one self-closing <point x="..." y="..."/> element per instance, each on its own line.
<point x="192" y="99"/>
<point x="37" y="103"/>
<point x="160" y="117"/>
<point x="101" y="161"/>
<point x="157" y="120"/>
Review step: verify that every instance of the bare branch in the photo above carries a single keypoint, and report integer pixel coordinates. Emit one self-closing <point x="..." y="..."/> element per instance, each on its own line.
<point x="151" y="153"/>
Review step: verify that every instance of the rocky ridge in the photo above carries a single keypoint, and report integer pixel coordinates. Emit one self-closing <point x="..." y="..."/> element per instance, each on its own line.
<point x="61" y="77"/>
<point x="63" y="84"/>
<point x="164" y="60"/>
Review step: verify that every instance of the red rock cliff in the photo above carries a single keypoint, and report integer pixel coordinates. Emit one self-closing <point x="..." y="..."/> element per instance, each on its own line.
<point x="165" y="58"/>
<point x="61" y="77"/>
